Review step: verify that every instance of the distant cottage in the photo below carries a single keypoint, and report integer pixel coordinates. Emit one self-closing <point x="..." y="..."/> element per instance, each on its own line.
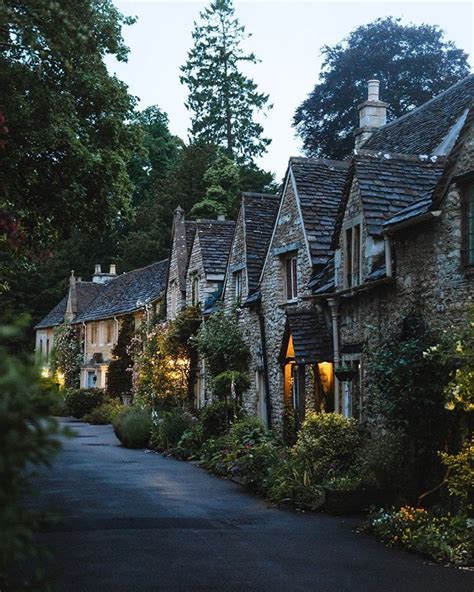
<point x="318" y="274"/>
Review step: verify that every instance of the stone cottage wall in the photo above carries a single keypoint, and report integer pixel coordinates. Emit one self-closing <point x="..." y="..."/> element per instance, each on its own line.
<point x="288" y="231"/>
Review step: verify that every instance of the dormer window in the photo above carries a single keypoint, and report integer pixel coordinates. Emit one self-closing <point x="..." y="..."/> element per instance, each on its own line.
<point x="352" y="256"/>
<point x="238" y="285"/>
<point x="291" y="277"/>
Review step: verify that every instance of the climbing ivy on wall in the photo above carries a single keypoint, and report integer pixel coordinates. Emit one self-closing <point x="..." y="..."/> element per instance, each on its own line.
<point x="66" y="355"/>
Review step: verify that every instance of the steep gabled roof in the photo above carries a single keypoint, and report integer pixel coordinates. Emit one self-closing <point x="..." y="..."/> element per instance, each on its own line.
<point x="319" y="184"/>
<point x="259" y="213"/>
<point x="190" y="228"/>
<point x="388" y="183"/>
<point x="86" y="292"/>
<point x="127" y="293"/>
<point x="215" y="239"/>
<point x="424" y="129"/>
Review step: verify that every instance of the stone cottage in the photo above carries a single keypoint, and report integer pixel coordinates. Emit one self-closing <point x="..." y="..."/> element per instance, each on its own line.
<point x="298" y="341"/>
<point x="98" y="308"/>
<point x="241" y="293"/>
<point x="404" y="236"/>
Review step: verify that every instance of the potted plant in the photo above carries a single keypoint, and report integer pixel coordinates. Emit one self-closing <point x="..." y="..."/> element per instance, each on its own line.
<point x="345" y="373"/>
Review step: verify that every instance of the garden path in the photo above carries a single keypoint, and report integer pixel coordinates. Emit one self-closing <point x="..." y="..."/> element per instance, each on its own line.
<point x="134" y="520"/>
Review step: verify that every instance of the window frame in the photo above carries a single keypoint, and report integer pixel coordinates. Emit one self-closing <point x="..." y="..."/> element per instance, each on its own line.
<point x="352" y="254"/>
<point x="238" y="277"/>
<point x="290" y="272"/>
<point x="195" y="290"/>
<point x="94" y="334"/>
<point x="467" y="222"/>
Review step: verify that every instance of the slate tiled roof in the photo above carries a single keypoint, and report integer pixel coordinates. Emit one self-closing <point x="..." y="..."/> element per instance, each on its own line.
<point x="319" y="184"/>
<point x="311" y="338"/>
<point x="323" y="281"/>
<point x="418" y="208"/>
<point x="215" y="239"/>
<point x="124" y="294"/>
<point x="390" y="182"/>
<point x="85" y="294"/>
<point x="260" y="210"/>
<point x="190" y="228"/>
<point x="422" y="130"/>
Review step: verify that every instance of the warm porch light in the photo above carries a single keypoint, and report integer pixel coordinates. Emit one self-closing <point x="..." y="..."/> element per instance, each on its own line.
<point x="326" y="374"/>
<point x="45" y="373"/>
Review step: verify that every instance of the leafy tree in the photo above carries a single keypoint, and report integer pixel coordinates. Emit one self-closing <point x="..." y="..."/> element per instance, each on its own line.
<point x="66" y="355"/>
<point x="413" y="63"/>
<point x="65" y="159"/>
<point x="222" y="99"/>
<point x="223" y="189"/>
<point x="119" y="374"/>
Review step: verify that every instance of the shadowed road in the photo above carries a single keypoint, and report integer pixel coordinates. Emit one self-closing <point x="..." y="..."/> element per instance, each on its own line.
<point x="134" y="521"/>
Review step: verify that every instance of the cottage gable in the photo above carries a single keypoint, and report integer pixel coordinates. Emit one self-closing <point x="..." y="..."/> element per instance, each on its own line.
<point x="208" y="261"/>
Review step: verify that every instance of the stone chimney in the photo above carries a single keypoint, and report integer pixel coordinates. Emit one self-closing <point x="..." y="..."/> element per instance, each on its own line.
<point x="113" y="269"/>
<point x="71" y="305"/>
<point x="221" y="217"/>
<point x="372" y="114"/>
<point x="102" y="278"/>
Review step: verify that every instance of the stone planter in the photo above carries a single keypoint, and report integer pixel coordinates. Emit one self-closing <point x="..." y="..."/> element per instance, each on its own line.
<point x="356" y="501"/>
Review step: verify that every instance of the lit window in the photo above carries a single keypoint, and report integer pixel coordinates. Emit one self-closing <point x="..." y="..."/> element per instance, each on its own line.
<point x="238" y="286"/>
<point x="468" y="225"/>
<point x="352" y="257"/>
<point x="291" y="278"/>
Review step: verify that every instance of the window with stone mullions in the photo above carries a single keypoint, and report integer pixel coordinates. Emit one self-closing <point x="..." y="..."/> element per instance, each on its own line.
<point x="352" y="256"/>
<point x="291" y="273"/>
<point x="238" y="285"/>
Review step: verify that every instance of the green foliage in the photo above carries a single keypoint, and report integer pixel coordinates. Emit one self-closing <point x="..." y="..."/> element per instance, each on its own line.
<point x="119" y="374"/>
<point x="223" y="190"/>
<point x="413" y="63"/>
<point x="66" y="355"/>
<point x="217" y="417"/>
<point x="230" y="384"/>
<point x="461" y="474"/>
<point x="445" y="538"/>
<point x="290" y="424"/>
<point x="132" y="427"/>
<point x="220" y="342"/>
<point x="222" y="100"/>
<point x="190" y="443"/>
<point x="104" y="414"/>
<point x="28" y="438"/>
<point x="57" y="406"/>
<point x="65" y="161"/>
<point x="326" y="448"/>
<point x="80" y="402"/>
<point x="169" y="428"/>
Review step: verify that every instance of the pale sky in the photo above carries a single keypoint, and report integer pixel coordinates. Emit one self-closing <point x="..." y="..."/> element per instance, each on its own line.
<point x="286" y="37"/>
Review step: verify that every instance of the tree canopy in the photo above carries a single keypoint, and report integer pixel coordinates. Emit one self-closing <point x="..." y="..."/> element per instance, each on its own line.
<point x="222" y="100"/>
<point x="65" y="159"/>
<point x="413" y="63"/>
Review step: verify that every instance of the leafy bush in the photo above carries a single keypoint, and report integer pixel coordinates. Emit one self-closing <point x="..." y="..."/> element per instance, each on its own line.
<point x="325" y="449"/>
<point x="28" y="438"/>
<point x="132" y="427"/>
<point x="461" y="474"/>
<point x="66" y="355"/>
<point x="446" y="538"/>
<point x="79" y="402"/>
<point x="104" y="414"/>
<point x="57" y="406"/>
<point x="169" y="428"/>
<point x="256" y="464"/>
<point x="214" y="455"/>
<point x="217" y="418"/>
<point x="119" y="374"/>
<point x="230" y="384"/>
<point x="190" y="443"/>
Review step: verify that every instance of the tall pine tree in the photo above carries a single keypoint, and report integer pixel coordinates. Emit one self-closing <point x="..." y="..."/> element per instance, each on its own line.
<point x="222" y="100"/>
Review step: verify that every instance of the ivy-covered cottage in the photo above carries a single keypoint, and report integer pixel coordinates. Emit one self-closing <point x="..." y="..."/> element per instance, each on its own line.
<point x="241" y="293"/>
<point x="404" y="236"/>
<point x="98" y="308"/>
<point x="297" y="335"/>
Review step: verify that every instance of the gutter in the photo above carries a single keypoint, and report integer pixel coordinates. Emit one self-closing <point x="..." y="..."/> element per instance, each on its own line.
<point x="411" y="222"/>
<point x="349" y="292"/>
<point x="265" y="364"/>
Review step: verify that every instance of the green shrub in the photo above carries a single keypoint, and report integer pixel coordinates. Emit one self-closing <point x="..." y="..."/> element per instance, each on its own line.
<point x="79" y="402"/>
<point x="461" y="475"/>
<point x="231" y="383"/>
<point x="325" y="449"/>
<point x="248" y="430"/>
<point x="214" y="455"/>
<point x="104" y="414"/>
<point x="217" y="418"/>
<point x="132" y="427"/>
<point x="167" y="431"/>
<point x="190" y="443"/>
<point x="58" y="406"/>
<point x="256" y="465"/>
<point x="445" y="538"/>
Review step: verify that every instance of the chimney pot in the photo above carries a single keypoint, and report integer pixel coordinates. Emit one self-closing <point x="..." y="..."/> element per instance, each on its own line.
<point x="113" y="269"/>
<point x="98" y="268"/>
<point x="221" y="217"/>
<point x="373" y="87"/>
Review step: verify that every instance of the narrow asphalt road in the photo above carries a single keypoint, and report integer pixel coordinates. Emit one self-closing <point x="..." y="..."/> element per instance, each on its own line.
<point x="134" y="520"/>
